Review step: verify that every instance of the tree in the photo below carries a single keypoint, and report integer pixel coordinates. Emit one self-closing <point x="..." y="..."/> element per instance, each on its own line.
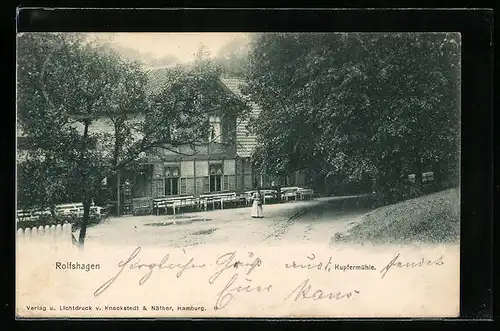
<point x="356" y="105"/>
<point x="233" y="57"/>
<point x="67" y="86"/>
<point x="65" y="83"/>
<point x="145" y="58"/>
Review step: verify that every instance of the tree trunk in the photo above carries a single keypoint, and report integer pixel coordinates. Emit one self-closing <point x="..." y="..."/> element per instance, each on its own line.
<point x="118" y="194"/>
<point x="86" y="200"/>
<point x="85" y="221"/>
<point x="53" y="212"/>
<point x="326" y="185"/>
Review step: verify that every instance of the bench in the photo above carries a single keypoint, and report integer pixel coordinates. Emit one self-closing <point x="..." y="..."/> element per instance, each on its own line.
<point x="30" y="215"/>
<point x="267" y="194"/>
<point x="173" y="202"/>
<point x="288" y="193"/>
<point x="70" y="208"/>
<point x="221" y="198"/>
<point x="63" y="209"/>
<point x="305" y="193"/>
<point x="76" y="209"/>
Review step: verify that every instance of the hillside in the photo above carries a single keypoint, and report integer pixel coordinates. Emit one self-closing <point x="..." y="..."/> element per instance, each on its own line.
<point x="433" y="218"/>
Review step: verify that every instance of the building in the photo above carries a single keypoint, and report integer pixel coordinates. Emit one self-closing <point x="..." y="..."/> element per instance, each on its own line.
<point x="223" y="164"/>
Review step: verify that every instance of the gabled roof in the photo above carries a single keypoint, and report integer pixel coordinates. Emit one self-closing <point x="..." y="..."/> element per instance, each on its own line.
<point x="156" y="78"/>
<point x="234" y="85"/>
<point x="246" y="141"/>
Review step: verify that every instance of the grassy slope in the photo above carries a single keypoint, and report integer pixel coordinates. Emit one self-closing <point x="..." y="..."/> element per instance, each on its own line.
<point x="433" y="218"/>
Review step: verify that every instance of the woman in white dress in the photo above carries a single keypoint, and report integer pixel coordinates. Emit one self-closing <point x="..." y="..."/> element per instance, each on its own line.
<point x="257" y="205"/>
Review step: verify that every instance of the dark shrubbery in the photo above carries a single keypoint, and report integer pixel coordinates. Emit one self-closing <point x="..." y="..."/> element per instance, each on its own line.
<point x="393" y="192"/>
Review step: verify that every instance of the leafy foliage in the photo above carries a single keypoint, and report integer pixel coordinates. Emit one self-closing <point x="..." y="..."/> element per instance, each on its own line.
<point x="49" y="105"/>
<point x="357" y="105"/>
<point x="87" y="114"/>
<point x="232" y="58"/>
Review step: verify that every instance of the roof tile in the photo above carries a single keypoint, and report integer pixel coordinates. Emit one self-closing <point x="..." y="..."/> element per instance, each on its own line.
<point x="246" y="141"/>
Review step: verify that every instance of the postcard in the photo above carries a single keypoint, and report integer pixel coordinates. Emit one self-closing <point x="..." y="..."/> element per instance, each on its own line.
<point x="236" y="175"/>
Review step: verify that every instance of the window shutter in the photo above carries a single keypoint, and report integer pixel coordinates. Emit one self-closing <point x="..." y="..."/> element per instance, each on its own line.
<point x="225" y="183"/>
<point x="183" y="186"/>
<point x="206" y="187"/>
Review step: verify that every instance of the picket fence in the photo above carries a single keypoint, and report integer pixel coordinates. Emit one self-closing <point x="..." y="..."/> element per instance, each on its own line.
<point x="50" y="235"/>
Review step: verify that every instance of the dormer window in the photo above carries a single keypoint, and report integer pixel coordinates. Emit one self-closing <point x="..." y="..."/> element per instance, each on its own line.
<point x="215" y="129"/>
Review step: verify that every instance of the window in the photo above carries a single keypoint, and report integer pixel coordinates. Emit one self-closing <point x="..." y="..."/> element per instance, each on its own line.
<point x="171" y="180"/>
<point x="228" y="130"/>
<point x="215" y="178"/>
<point x="215" y="129"/>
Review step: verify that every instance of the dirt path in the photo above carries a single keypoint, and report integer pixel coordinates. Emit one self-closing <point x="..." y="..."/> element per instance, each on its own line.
<point x="314" y="221"/>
